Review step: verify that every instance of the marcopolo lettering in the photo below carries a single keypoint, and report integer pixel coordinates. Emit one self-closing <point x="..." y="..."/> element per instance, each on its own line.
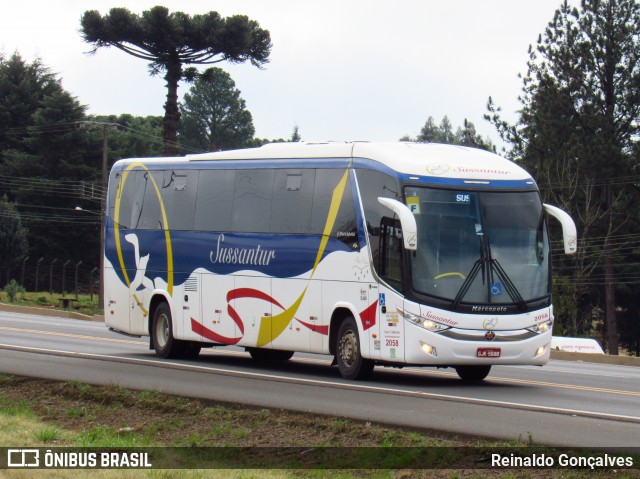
<point x="489" y="309"/>
<point x="250" y="256"/>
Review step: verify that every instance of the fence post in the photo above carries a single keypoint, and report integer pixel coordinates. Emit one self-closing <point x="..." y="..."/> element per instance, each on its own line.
<point x="91" y="282"/>
<point x="76" y="285"/>
<point x="64" y="275"/>
<point x="24" y="263"/>
<point x="51" y="275"/>
<point x="38" y="272"/>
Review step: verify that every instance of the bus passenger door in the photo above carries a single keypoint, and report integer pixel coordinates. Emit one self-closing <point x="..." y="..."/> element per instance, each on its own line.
<point x="390" y="270"/>
<point x="391" y="326"/>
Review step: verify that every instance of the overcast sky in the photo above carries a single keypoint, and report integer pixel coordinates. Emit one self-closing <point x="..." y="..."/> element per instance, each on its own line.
<point x="339" y="69"/>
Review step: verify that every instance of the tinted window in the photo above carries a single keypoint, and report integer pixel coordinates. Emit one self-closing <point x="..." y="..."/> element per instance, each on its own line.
<point x="372" y="185"/>
<point x="390" y="264"/>
<point x="344" y="227"/>
<point x="252" y="201"/>
<point x="130" y="196"/>
<point x="139" y="206"/>
<point x="178" y="190"/>
<point x="214" y="200"/>
<point x="292" y="201"/>
<point x="114" y="184"/>
<point x="149" y="214"/>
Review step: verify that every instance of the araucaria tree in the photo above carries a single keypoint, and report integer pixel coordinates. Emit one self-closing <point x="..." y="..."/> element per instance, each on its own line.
<point x="170" y="41"/>
<point x="214" y="116"/>
<point x="578" y="132"/>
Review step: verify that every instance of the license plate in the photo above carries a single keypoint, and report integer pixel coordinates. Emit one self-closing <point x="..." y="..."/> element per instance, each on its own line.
<point x="488" y="353"/>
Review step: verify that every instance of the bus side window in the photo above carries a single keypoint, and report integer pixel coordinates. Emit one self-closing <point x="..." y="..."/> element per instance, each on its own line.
<point x="115" y="191"/>
<point x="252" y="201"/>
<point x="214" y="200"/>
<point x="373" y="185"/>
<point x="178" y="190"/>
<point x="149" y="216"/>
<point x="292" y="201"/>
<point x="390" y="264"/>
<point x="345" y="227"/>
<point x="132" y="188"/>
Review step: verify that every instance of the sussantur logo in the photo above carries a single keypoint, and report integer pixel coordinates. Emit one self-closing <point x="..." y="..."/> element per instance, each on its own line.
<point x="437" y="169"/>
<point x="490" y="323"/>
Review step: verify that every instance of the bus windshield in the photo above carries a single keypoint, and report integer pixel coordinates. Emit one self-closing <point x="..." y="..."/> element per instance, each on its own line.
<point x="480" y="247"/>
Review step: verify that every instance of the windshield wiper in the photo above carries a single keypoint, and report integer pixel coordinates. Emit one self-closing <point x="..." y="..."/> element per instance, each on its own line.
<point x="511" y="288"/>
<point x="492" y="265"/>
<point x="509" y="285"/>
<point x="485" y="257"/>
<point x="462" y="292"/>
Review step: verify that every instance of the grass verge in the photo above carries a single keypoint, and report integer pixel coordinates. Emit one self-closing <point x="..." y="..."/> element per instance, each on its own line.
<point x="83" y="304"/>
<point x="44" y="413"/>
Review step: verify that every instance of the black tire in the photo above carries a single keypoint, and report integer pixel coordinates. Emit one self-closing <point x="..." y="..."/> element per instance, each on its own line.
<point x="260" y="354"/>
<point x="473" y="373"/>
<point x="351" y="364"/>
<point x="164" y="343"/>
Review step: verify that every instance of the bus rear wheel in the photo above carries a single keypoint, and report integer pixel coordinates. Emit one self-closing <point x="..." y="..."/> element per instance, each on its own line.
<point x="351" y="364"/>
<point x="473" y="373"/>
<point x="164" y="343"/>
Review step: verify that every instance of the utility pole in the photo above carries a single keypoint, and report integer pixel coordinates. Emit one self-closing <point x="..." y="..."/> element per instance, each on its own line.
<point x="106" y="127"/>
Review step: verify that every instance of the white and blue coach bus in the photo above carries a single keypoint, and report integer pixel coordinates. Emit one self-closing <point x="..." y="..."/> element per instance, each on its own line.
<point x="376" y="253"/>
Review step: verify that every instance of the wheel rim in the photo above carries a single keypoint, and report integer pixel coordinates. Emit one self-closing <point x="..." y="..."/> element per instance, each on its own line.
<point x="348" y="348"/>
<point x="162" y="330"/>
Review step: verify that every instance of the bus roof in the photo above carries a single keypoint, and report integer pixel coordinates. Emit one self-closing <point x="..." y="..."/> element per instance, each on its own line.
<point x="422" y="159"/>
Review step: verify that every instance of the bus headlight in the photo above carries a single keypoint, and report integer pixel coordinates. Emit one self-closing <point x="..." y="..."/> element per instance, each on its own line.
<point x="541" y="350"/>
<point x="428" y="349"/>
<point x="425" y="323"/>
<point x="541" y="327"/>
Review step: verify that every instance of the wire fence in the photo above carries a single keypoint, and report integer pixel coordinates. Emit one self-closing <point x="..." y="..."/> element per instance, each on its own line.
<point x="53" y="275"/>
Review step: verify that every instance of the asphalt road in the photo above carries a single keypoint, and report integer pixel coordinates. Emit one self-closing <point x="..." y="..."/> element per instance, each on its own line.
<point x="564" y="403"/>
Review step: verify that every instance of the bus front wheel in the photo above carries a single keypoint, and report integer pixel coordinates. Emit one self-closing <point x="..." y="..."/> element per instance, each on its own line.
<point x="473" y="373"/>
<point x="351" y="364"/>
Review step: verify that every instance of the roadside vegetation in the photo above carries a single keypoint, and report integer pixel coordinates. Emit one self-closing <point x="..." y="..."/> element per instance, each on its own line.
<point x="15" y="295"/>
<point x="45" y="413"/>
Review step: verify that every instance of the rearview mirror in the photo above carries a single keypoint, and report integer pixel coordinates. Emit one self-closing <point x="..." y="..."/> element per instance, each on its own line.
<point x="569" y="232"/>
<point x="407" y="222"/>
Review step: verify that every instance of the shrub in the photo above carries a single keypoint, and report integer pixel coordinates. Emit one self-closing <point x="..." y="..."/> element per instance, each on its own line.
<point x="13" y="289"/>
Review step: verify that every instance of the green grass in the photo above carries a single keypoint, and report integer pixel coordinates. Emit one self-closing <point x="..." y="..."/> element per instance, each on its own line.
<point x="84" y="304"/>
<point x="49" y="434"/>
<point x="47" y="413"/>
